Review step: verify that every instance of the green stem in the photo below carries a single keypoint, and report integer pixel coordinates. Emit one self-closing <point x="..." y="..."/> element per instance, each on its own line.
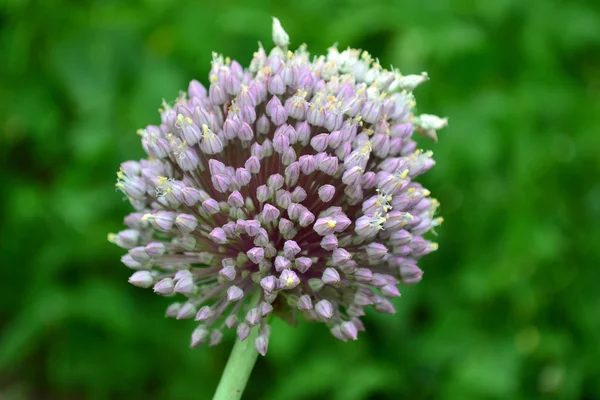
<point x="238" y="368"/>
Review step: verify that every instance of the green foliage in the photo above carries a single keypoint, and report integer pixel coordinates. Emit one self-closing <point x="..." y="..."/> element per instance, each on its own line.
<point x="509" y="305"/>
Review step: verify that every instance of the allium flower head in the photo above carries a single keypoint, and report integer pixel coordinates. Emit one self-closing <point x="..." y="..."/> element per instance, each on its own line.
<point x="287" y="188"/>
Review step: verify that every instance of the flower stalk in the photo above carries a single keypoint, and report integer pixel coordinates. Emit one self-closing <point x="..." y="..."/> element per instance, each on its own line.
<point x="238" y="369"/>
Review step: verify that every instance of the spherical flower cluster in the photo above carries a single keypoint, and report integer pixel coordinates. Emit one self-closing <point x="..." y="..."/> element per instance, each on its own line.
<point x="286" y="188"/>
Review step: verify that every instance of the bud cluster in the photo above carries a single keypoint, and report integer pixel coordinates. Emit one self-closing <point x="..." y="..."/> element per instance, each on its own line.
<point x="287" y="188"/>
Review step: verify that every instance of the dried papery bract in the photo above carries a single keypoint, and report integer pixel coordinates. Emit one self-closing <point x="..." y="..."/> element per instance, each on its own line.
<point x="293" y="182"/>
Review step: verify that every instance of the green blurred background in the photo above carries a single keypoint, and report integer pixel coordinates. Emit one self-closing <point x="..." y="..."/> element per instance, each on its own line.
<point x="510" y="304"/>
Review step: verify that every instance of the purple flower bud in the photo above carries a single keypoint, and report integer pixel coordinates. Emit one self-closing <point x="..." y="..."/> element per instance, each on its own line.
<point x="340" y="256"/>
<point x="335" y="139"/>
<point x="218" y="236"/>
<point x="252" y="165"/>
<point x="232" y="84"/>
<point x="199" y="336"/>
<point x="281" y="263"/>
<point x="215" y="337"/>
<point x="256" y="254"/>
<point x="376" y="251"/>
<point x="379" y="280"/>
<point x="363" y="275"/>
<point x="234" y="293"/>
<point x="328" y="165"/>
<point x="275" y="181"/>
<point x="307" y="164"/>
<point x="195" y="89"/>
<point x="326" y="193"/>
<point x="292" y="173"/>
<point x="243" y="330"/>
<point x="261" y="343"/>
<point x="268" y="283"/>
<point x="161" y="220"/>
<point x="231" y="321"/>
<point x="242" y="176"/>
<point x="368" y="180"/>
<point x="329" y="242"/>
<point x="265" y="308"/>
<point x="306" y="218"/>
<point x="204" y="314"/>
<point x="315" y="115"/>
<point x="187" y="158"/>
<point x="270" y="213"/>
<point x="288" y="156"/>
<point x="303" y="129"/>
<point x="141" y="279"/>
<point x="276" y="85"/>
<point x="267" y="147"/>
<point x="155" y="249"/>
<point x="410" y="274"/>
<point x="296" y="107"/>
<point x="210" y="206"/>
<point x="324" y="309"/>
<point x="286" y="227"/>
<point x="400" y="238"/>
<point x="304" y="303"/>
<point x="164" y="286"/>
<point x="229" y="229"/>
<point x="186" y="311"/>
<point x="294" y="210"/>
<point x="245" y="132"/>
<point x="221" y="182"/>
<point x="263" y="125"/>
<point x="390" y="291"/>
<point x="298" y="195"/>
<point x="256" y="150"/>
<point x="263" y="193"/>
<point x="216" y="94"/>
<point x="235" y="199"/>
<point x="385" y="307"/>
<point x="349" y="330"/>
<point x="352" y="176"/>
<point x="248" y="114"/>
<point x="336" y="332"/>
<point x="290" y="249"/>
<point x="130" y="262"/>
<point x="281" y="142"/>
<point x="253" y="316"/>
<point x="231" y="128"/>
<point x="303" y="264"/>
<point x="173" y="310"/>
<point x="343" y="150"/>
<point x="133" y="221"/>
<point x="186" y="223"/>
<point x="333" y="120"/>
<point x="261" y="238"/>
<point x="330" y="276"/>
<point x="320" y="142"/>
<point x="139" y="254"/>
<point x="185" y="285"/>
<point x="278" y="114"/>
<point x="228" y="273"/>
<point x="288" y="279"/>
